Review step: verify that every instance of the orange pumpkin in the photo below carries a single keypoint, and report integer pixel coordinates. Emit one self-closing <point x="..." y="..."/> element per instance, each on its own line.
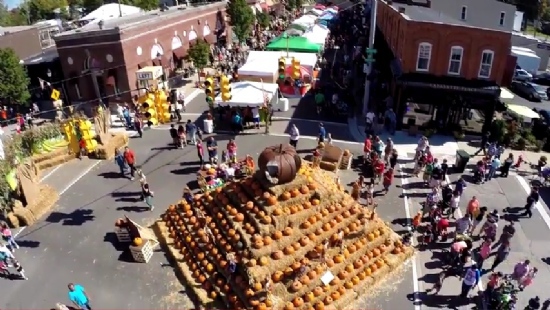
<point x="306" y="205"/>
<point x="380" y="263"/>
<point x="251" y="263"/>
<point x="285" y="196"/>
<point x="263" y="261"/>
<point x="289" y="250"/>
<point x="318" y="291"/>
<point x="272" y="201"/>
<point x="296" y="286"/>
<point x="287" y="231"/>
<point x="277" y="276"/>
<point x="277" y="235"/>
<point x="396" y="250"/>
<point x="277" y="255"/>
<point x="278" y="211"/>
<point x="319" y="306"/>
<point x="298" y="301"/>
<point x="338" y="258"/>
<point x="315" y="202"/>
<point x="370" y="236"/>
<point x="376" y="252"/>
<point x="343" y="275"/>
<point x="328" y="300"/>
<point x="304" y="190"/>
<point x="312" y="186"/>
<point x="309" y="297"/>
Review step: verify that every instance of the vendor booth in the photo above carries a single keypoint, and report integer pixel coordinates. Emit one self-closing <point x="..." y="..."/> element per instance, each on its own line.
<point x="306" y="20"/>
<point x="523" y="112"/>
<point x="294" y="44"/>
<point x="253" y="94"/>
<point x="326" y="18"/>
<point x="315" y="12"/>
<point x="261" y="66"/>
<point x="317" y="34"/>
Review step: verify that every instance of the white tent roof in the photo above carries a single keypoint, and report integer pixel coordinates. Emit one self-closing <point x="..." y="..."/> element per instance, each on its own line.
<point x="316" y="12"/>
<point x="306" y="20"/>
<point x="111" y="10"/>
<point x="264" y="63"/>
<point x="317" y="34"/>
<point x="250" y="94"/>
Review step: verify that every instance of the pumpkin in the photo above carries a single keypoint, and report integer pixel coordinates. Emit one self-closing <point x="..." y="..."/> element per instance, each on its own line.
<point x="278" y="211"/>
<point x="330" y="263"/>
<point x="306" y="205"/>
<point x="338" y="258"/>
<point x="272" y="201"/>
<point x="285" y="196"/>
<point x="328" y="300"/>
<point x="315" y="202"/>
<point x="357" y="263"/>
<point x="294" y="193"/>
<point x="287" y="231"/>
<point x="298" y="301"/>
<point x="304" y="190"/>
<point x="348" y="285"/>
<point x="318" y="291"/>
<point x="266" y="219"/>
<point x="376" y="252"/>
<point x="257" y="286"/>
<point x="289" y="271"/>
<point x="263" y="261"/>
<point x="370" y="236"/>
<point x="277" y="235"/>
<point x="277" y="276"/>
<point x="251" y="263"/>
<point x="396" y="250"/>
<point x="138" y="241"/>
<point x="355" y="280"/>
<point x="280" y="162"/>
<point x="346" y="152"/>
<point x="319" y="306"/>
<point x="296" y="286"/>
<point x="304" y="240"/>
<point x="289" y="250"/>
<point x="309" y="297"/>
<point x="296" y="265"/>
<point x="288" y="306"/>
<point x="380" y="263"/>
<point x="312" y="274"/>
<point x="306" y="225"/>
<point x="249" y="205"/>
<point x="267" y="240"/>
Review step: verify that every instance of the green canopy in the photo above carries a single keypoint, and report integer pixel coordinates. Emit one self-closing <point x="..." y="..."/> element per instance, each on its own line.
<point x="294" y="44"/>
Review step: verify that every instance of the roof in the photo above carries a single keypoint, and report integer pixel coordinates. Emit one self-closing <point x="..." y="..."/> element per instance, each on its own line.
<point x="46" y="55"/>
<point x="7" y="30"/>
<point x="115" y="25"/>
<point x="429" y="15"/>
<point x="111" y="10"/>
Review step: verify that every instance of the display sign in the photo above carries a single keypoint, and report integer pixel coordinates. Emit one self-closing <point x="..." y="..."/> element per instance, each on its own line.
<point x="149" y="73"/>
<point x="55" y="94"/>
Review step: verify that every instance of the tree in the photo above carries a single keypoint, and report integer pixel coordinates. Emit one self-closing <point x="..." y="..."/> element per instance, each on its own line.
<point x="298" y="4"/>
<point x="13" y="78"/>
<point x="199" y="53"/>
<point x="290" y="5"/>
<point x="146" y="5"/>
<point x="45" y="9"/>
<point x="263" y="19"/>
<point x="241" y="18"/>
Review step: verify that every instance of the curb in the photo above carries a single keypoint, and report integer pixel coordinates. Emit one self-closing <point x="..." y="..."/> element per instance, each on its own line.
<point x="354" y="130"/>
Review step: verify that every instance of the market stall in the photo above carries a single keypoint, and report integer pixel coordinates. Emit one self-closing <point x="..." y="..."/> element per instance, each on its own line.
<point x="261" y="66"/>
<point x="317" y="34"/>
<point x="294" y="44"/>
<point x="252" y="94"/>
<point x="214" y="176"/>
<point x="523" y="112"/>
<point x="306" y="20"/>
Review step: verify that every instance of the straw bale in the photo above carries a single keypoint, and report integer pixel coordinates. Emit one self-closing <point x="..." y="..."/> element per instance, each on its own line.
<point x="332" y="167"/>
<point x="13" y="220"/>
<point x="47" y="199"/>
<point x="38" y="158"/>
<point x="332" y="154"/>
<point x="107" y="151"/>
<point x="24" y="215"/>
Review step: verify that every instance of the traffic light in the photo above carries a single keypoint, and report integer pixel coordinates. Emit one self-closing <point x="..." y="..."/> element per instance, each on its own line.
<point x="225" y="88"/>
<point x="148" y="111"/>
<point x="161" y="105"/>
<point x="209" y="89"/>
<point x="296" y="69"/>
<point x="282" y="68"/>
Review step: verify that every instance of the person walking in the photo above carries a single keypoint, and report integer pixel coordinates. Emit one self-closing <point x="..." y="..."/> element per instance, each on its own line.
<point x="470" y="280"/>
<point x="120" y="162"/>
<point x="130" y="159"/>
<point x="532" y="200"/>
<point x="322" y="134"/>
<point x="7" y="235"/>
<point x="191" y="130"/>
<point x="508" y="232"/>
<point x="483" y="253"/>
<point x="212" y="147"/>
<point x="79" y="297"/>
<point x="294" y="136"/>
<point x="148" y="195"/>
<point x="388" y="180"/>
<point x="484" y="143"/>
<point x="200" y="152"/>
<point x="138" y="124"/>
<point x="502" y="253"/>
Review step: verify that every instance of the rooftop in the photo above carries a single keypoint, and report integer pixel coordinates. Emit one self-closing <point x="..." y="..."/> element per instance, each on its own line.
<point x="115" y="25"/>
<point x="46" y="55"/>
<point x="8" y="30"/>
<point x="425" y="14"/>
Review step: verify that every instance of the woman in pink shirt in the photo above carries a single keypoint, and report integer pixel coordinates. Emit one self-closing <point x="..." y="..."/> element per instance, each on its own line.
<point x="232" y="151"/>
<point x="483" y="254"/>
<point x="200" y="152"/>
<point x="8" y="237"/>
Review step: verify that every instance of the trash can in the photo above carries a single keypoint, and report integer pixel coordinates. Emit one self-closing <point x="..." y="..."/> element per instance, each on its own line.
<point x="462" y="158"/>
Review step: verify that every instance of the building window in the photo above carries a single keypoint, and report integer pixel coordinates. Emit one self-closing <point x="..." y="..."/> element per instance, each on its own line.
<point x="502" y="18"/>
<point x="455" y="59"/>
<point x="77" y="91"/>
<point x="424" y="55"/>
<point x="486" y="64"/>
<point x="464" y="13"/>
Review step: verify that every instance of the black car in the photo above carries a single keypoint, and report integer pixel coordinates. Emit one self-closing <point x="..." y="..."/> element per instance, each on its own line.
<point x="542" y="79"/>
<point x="530" y="91"/>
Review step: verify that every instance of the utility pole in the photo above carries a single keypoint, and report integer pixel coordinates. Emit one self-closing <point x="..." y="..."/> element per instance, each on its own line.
<point x="119" y="9"/>
<point x="369" y="62"/>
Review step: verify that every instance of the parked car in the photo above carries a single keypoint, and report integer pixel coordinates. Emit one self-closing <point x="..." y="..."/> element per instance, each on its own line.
<point x="545" y="115"/>
<point x="522" y="75"/>
<point x="530" y="91"/>
<point x="542" y="79"/>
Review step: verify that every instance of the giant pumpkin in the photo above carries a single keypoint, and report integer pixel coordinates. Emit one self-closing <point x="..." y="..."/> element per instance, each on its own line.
<point x="279" y="163"/>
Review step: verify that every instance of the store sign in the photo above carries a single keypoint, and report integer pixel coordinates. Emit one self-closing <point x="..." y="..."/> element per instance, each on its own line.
<point x="144" y="75"/>
<point x="149" y="73"/>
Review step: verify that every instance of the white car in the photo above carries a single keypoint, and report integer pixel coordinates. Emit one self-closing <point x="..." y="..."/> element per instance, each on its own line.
<point x="522" y="75"/>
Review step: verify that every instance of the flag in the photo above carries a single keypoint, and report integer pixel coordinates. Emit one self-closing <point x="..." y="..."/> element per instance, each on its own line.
<point x="42" y="83"/>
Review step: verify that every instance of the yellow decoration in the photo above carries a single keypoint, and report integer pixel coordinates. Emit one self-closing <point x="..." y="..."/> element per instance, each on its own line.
<point x="296" y="69"/>
<point x="225" y="88"/>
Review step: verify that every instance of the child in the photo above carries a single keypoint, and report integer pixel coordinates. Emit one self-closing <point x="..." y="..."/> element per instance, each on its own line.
<point x="82" y="144"/>
<point x="329" y="138"/>
<point x="455" y="201"/>
<point x="141" y="176"/>
<point x="20" y="270"/>
<point x="8" y="237"/>
<point x="393" y="159"/>
<point x="388" y="180"/>
<point x="225" y="158"/>
<point x="417" y="220"/>
<point x="370" y="194"/>
<point x="419" y="165"/>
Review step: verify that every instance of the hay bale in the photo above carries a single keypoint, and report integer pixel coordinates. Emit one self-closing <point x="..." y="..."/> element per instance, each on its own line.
<point x="328" y="166"/>
<point x="47" y="198"/>
<point x="13" y="220"/>
<point x="24" y="215"/>
<point x="107" y="151"/>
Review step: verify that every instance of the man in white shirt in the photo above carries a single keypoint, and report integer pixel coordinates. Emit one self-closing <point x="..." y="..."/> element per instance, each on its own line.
<point x="256" y="117"/>
<point x="294" y="135"/>
<point x="369" y="120"/>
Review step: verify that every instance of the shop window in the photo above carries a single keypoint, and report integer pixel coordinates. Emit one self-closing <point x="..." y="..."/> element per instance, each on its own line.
<point x="486" y="64"/>
<point x="455" y="60"/>
<point x="424" y="57"/>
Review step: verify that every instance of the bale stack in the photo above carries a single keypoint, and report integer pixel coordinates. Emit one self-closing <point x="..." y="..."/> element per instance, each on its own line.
<point x="284" y="239"/>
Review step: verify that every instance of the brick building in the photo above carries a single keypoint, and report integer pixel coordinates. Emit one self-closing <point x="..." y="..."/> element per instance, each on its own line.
<point x="459" y="63"/>
<point x="24" y="40"/>
<point x="101" y="59"/>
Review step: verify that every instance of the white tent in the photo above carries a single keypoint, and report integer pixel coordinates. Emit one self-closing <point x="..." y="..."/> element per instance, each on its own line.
<point x="315" y="12"/>
<point x="317" y="34"/>
<point x="251" y="94"/>
<point x="264" y="63"/>
<point x="111" y="10"/>
<point x="306" y="20"/>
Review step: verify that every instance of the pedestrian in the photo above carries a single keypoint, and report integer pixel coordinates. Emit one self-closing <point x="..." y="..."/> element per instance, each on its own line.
<point x="191" y="130"/>
<point x="483" y="253"/>
<point x="505" y="169"/>
<point x="508" y="232"/>
<point x="148" y="196"/>
<point x="127" y="116"/>
<point x="454" y="204"/>
<point x="532" y="199"/>
<point x="322" y="134"/>
<point x="521" y="270"/>
<point x="212" y="147"/>
<point x="79" y="296"/>
<point x="393" y="159"/>
<point x="502" y="253"/>
<point x="388" y="180"/>
<point x="478" y="219"/>
<point x="493" y="168"/>
<point x="470" y="280"/>
<point x="181" y="136"/>
<point x="7" y="235"/>
<point x="174" y="135"/>
<point x="367" y="148"/>
<point x="294" y="136"/>
<point x="20" y="270"/>
<point x="130" y="159"/>
<point x="528" y="279"/>
<point x="200" y="152"/>
<point x="232" y="150"/>
<point x="120" y="162"/>
<point x="473" y="207"/>
<point x="6" y="255"/>
<point x="138" y="124"/>
<point x="484" y="142"/>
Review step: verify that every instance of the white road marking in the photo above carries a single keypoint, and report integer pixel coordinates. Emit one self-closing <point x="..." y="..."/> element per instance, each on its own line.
<point x="538" y="205"/>
<point x="192" y="95"/>
<point x="49" y="174"/>
<point x="416" y="284"/>
<point x="80" y="176"/>
<point x="313" y="138"/>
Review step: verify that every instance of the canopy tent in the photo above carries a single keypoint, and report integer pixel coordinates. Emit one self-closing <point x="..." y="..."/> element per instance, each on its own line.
<point x="306" y="20"/>
<point x="317" y="34"/>
<point x="111" y="10"/>
<point x="296" y="29"/>
<point x="523" y="111"/>
<point x="264" y="63"/>
<point x="506" y="94"/>
<point x="249" y="94"/>
<point x="315" y="12"/>
<point x="295" y="44"/>
<point x="320" y="6"/>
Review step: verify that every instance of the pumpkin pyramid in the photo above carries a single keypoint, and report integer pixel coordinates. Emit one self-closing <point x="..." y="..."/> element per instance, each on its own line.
<point x="297" y="240"/>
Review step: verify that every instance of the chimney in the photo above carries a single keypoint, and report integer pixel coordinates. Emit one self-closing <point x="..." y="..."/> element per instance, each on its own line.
<point x="401" y="10"/>
<point x="428" y="3"/>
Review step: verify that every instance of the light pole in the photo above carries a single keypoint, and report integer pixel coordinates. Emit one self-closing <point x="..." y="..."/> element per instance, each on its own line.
<point x="369" y="61"/>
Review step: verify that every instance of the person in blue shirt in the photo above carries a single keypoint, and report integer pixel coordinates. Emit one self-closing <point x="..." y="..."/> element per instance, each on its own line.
<point x="236" y="123"/>
<point x="471" y="279"/>
<point x="495" y="166"/>
<point x="78" y="296"/>
<point x="121" y="163"/>
<point x="322" y="133"/>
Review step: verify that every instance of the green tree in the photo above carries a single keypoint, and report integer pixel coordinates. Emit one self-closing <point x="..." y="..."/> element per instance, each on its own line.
<point x="241" y="18"/>
<point x="146" y="5"/>
<point x="199" y="53"/>
<point x="263" y="19"/>
<point x="290" y="5"/>
<point x="18" y="17"/>
<point x="13" y="78"/>
<point x="45" y="9"/>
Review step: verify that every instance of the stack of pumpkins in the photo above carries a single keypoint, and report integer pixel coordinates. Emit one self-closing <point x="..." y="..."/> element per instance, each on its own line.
<point x="243" y="221"/>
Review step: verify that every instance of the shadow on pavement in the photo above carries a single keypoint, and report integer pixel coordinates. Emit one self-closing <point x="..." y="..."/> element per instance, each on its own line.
<point x="75" y="218"/>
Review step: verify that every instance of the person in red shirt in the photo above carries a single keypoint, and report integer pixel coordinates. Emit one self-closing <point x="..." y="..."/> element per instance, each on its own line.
<point x="379" y="167"/>
<point x="82" y="145"/>
<point x="130" y="159"/>
<point x="388" y="180"/>
<point x="367" y="148"/>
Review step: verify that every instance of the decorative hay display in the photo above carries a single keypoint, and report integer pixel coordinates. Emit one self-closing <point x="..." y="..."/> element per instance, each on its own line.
<point x="300" y="244"/>
<point x="53" y="158"/>
<point x="108" y="142"/>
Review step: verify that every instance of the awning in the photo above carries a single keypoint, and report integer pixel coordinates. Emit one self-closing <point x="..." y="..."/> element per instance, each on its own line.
<point x="156" y="62"/>
<point x="142" y="65"/>
<point x="111" y="81"/>
<point x="179" y="53"/>
<point x="506" y="94"/>
<point x="523" y="111"/>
